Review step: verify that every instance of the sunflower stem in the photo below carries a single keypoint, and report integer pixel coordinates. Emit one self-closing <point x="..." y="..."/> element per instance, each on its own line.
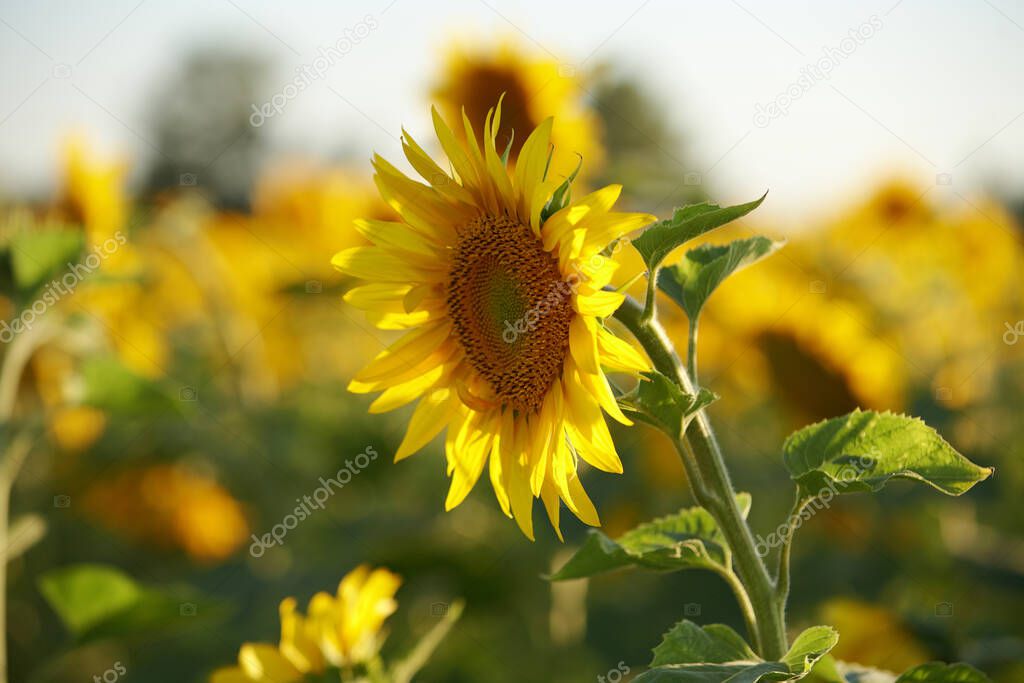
<point x="691" y="351"/>
<point x="713" y="488"/>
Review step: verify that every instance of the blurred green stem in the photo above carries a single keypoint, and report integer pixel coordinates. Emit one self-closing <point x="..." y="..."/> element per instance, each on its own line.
<point x="15" y="451"/>
<point x="713" y="489"/>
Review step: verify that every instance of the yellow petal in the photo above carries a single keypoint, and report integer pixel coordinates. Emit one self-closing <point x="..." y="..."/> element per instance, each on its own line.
<point x="374" y="263"/>
<point x="406" y="392"/>
<point x="551" y="504"/>
<point x="377" y="294"/>
<point x="584" y="508"/>
<point x="600" y="304"/>
<point x="467" y="454"/>
<point x="398" y="237"/>
<point x="618" y="354"/>
<point x="431" y="415"/>
<point x="530" y="165"/>
<point x="263" y="662"/>
<point x="230" y="675"/>
<point x="405" y="353"/>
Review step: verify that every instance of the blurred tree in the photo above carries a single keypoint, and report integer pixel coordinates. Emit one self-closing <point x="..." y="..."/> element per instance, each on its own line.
<point x="646" y="151"/>
<point x="200" y="122"/>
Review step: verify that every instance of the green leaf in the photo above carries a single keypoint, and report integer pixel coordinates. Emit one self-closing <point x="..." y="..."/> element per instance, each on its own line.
<point x="39" y="255"/>
<point x="660" y="402"/>
<point x="686" y="223"/>
<point x="733" y="672"/>
<point x="84" y="596"/>
<point x="691" y="281"/>
<point x="862" y="451"/>
<point x="810" y="646"/>
<point x="937" y="672"/>
<point x="688" y="643"/>
<point x="717" y="654"/>
<point x="96" y="601"/>
<point x="109" y="385"/>
<point x="689" y="539"/>
<point x="561" y="196"/>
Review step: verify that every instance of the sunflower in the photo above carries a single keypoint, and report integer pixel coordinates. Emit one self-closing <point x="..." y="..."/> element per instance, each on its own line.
<point x="338" y="631"/>
<point x="503" y="295"/>
<point x="534" y="87"/>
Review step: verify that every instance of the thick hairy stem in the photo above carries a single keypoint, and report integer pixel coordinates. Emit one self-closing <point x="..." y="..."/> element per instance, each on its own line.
<point x="715" y="492"/>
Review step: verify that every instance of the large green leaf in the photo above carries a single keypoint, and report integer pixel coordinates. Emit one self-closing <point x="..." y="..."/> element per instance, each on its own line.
<point x="862" y="451"/>
<point x="687" y="643"/>
<point x="689" y="539"/>
<point x="937" y="672"/>
<point x="660" y="402"/>
<point x="717" y="654"/>
<point x="733" y="672"/>
<point x="687" y="223"/>
<point x="691" y="281"/>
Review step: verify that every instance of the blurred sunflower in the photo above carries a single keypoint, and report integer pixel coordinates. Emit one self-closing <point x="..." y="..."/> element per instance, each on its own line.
<point x="777" y="330"/>
<point x="342" y="631"/>
<point x="170" y="506"/>
<point x="534" y="87"/>
<point x="506" y="302"/>
<point x="873" y="636"/>
<point x="917" y="263"/>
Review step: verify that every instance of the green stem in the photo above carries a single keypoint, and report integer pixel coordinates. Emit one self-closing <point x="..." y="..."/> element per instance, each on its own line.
<point x="691" y="351"/>
<point x="782" y="572"/>
<point x="715" y="493"/>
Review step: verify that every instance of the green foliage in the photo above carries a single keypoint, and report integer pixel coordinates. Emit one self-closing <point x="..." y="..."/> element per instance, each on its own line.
<point x="688" y="642"/>
<point x="937" y="672"/>
<point x="716" y="654"/>
<point x="862" y="451"/>
<point x="38" y="256"/>
<point x="562" y="195"/>
<point x="112" y="386"/>
<point x="96" y="601"/>
<point x="686" y="224"/>
<point x="689" y="539"/>
<point x="691" y="281"/>
<point x="660" y="402"/>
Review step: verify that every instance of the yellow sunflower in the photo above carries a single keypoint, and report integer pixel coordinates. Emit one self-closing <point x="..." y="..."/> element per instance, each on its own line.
<point x="504" y="295"/>
<point x="534" y="86"/>
<point x="338" y="631"/>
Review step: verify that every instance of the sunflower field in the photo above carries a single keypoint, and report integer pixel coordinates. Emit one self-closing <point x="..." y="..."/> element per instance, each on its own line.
<point x="523" y="370"/>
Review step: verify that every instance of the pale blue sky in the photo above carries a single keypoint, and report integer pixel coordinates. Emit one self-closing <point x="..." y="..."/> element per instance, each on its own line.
<point x="936" y="88"/>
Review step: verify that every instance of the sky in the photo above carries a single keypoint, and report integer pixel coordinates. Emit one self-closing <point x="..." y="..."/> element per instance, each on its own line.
<point x="816" y="101"/>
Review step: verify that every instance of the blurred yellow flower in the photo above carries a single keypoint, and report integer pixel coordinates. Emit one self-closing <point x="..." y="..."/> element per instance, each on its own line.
<point x="873" y="636"/>
<point x="93" y="192"/>
<point x="170" y="506"/>
<point x="535" y="86"/>
<point x="339" y="631"/>
<point x="504" y="302"/>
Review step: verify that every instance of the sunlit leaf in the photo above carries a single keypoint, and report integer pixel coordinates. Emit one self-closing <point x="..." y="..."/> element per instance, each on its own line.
<point x="691" y="281"/>
<point x="689" y="539"/>
<point x="661" y="403"/>
<point x="862" y="451"/>
<point x="687" y="223"/>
